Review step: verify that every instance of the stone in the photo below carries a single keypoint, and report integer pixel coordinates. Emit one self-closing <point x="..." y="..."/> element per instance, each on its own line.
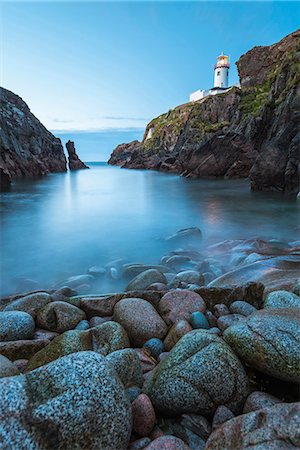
<point x="59" y="317"/>
<point x="96" y="320"/>
<point x="221" y="310"/>
<point x="130" y="271"/>
<point x="192" y="440"/>
<point x="23" y="349"/>
<point x="178" y="329"/>
<point x="269" y="341"/>
<point x="167" y="443"/>
<point x="214" y="330"/>
<point x="45" y="334"/>
<point x="66" y="291"/>
<point x="72" y="341"/>
<point x="198" y="320"/>
<point x="143" y="415"/>
<point x="97" y="271"/>
<point x="212" y="320"/>
<point x="77" y="280"/>
<point x="180" y="304"/>
<point x="127" y="365"/>
<point x="21" y="364"/>
<point x="157" y="287"/>
<point x="226" y="321"/>
<point x="109" y="337"/>
<point x="197" y="424"/>
<point x="83" y="325"/>
<point x="282" y="299"/>
<point x="139" y="444"/>
<point x="296" y="288"/>
<point x="30" y="303"/>
<point x="7" y="368"/>
<point x="145" y="279"/>
<point x="147" y="362"/>
<point x="258" y="400"/>
<point x="133" y="392"/>
<point x="186" y="235"/>
<point x="16" y="325"/>
<point x="241" y="307"/>
<point x="154" y="346"/>
<point x="221" y="416"/>
<point x="140" y="320"/>
<point x="276" y="427"/>
<point x="75" y="402"/>
<point x="200" y="373"/>
<point x="99" y="305"/>
<point x="188" y="277"/>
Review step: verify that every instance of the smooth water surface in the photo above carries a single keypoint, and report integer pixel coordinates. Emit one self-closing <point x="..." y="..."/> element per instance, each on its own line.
<point x="62" y="224"/>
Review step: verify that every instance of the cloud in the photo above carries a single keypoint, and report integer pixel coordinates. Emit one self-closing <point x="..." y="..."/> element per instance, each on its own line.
<point x="124" y="118"/>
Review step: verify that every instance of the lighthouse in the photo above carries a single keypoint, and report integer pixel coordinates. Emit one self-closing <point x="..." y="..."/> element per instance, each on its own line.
<point x="221" y="72"/>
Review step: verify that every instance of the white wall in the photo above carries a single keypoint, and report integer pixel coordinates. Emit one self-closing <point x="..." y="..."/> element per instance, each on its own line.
<point x="221" y="77"/>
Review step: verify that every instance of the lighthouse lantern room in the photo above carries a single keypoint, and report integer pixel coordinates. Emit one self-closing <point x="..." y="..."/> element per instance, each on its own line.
<point x="221" y="72"/>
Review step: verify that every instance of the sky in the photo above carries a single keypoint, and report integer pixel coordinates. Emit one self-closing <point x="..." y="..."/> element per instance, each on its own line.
<point x="116" y="65"/>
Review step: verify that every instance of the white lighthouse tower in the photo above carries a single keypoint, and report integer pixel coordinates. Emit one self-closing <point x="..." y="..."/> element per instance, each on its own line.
<point x="221" y="72"/>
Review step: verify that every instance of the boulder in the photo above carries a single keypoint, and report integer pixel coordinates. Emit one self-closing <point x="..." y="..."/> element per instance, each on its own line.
<point x="98" y="305"/>
<point x="140" y="320"/>
<point x="269" y="341"/>
<point x="282" y="299"/>
<point x="30" y="303"/>
<point x="59" y="317"/>
<point x="7" y="368"/>
<point x="180" y="304"/>
<point x="276" y="427"/>
<point x="109" y="337"/>
<point x="16" y="325"/>
<point x="241" y="307"/>
<point x="200" y="373"/>
<point x="145" y="279"/>
<point x="76" y="402"/>
<point x="127" y="365"/>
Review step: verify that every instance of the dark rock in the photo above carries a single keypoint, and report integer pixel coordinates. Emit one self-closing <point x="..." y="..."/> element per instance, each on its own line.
<point x="139" y="444"/>
<point x="74" y="162"/>
<point x="180" y="304"/>
<point x="27" y="149"/>
<point x="199" y="374"/>
<point x="59" y="317"/>
<point x="16" y="325"/>
<point x="148" y="363"/>
<point x="100" y="305"/>
<point x="133" y="392"/>
<point x="127" y="365"/>
<point x="221" y="416"/>
<point x="269" y="341"/>
<point x="269" y="428"/>
<point x="258" y="400"/>
<point x="7" y="368"/>
<point x="83" y="325"/>
<point x="179" y="329"/>
<point x="154" y="346"/>
<point x="96" y="320"/>
<point x="23" y="349"/>
<point x="221" y="310"/>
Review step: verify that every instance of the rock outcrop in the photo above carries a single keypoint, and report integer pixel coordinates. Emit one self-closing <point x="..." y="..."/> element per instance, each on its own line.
<point x="74" y="162"/>
<point x="252" y="131"/>
<point x="27" y="148"/>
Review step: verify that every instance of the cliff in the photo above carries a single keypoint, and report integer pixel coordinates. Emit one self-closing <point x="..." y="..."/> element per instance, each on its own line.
<point x="252" y="131"/>
<point x="27" y="148"/>
<point x="74" y="162"/>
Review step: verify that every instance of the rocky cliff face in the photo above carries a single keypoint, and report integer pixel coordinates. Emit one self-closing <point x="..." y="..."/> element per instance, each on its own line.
<point x="252" y="131"/>
<point x="27" y="148"/>
<point x="74" y="162"/>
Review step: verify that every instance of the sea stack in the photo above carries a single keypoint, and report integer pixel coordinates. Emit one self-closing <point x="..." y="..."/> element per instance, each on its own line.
<point x="74" y="162"/>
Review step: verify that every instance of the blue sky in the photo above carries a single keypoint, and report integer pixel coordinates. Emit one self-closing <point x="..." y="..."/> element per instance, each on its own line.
<point x="91" y="66"/>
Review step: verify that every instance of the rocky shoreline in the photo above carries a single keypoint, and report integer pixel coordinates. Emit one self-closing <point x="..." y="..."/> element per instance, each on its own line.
<point x="200" y="351"/>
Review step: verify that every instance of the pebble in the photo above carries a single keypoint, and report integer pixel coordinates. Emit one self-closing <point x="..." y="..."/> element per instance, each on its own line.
<point x="221" y="416"/>
<point x="241" y="307"/>
<point x="227" y="321"/>
<point x="198" y="320"/>
<point x="221" y="310"/>
<point x="143" y="415"/>
<point x="154" y="346"/>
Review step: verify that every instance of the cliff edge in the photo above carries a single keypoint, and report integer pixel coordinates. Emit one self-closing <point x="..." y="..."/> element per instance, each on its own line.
<point x="252" y="131"/>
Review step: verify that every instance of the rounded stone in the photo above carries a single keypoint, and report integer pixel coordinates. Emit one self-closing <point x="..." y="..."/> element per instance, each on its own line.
<point x="127" y="365"/>
<point x="154" y="346"/>
<point x="30" y="303"/>
<point x="140" y="444"/>
<point x="140" y="320"/>
<point x="227" y="321"/>
<point x="221" y="310"/>
<point x="258" y="400"/>
<point x="83" y="325"/>
<point x="221" y="416"/>
<point x="180" y="304"/>
<point x="145" y="279"/>
<point x="282" y="299"/>
<point x="296" y="288"/>
<point x="7" y="368"/>
<point x="179" y="329"/>
<point x="269" y="341"/>
<point x="241" y="307"/>
<point x="200" y="373"/>
<point x="143" y="415"/>
<point x="198" y="320"/>
<point x="109" y="337"/>
<point x="59" y="317"/>
<point x="16" y="325"/>
<point x="167" y="443"/>
<point x="133" y="392"/>
<point x="188" y="277"/>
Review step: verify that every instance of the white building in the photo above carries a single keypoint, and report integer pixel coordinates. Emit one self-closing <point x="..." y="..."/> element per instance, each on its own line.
<point x="221" y="70"/>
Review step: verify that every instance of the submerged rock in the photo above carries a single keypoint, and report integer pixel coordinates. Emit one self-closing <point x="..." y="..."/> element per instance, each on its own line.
<point x="145" y="279"/>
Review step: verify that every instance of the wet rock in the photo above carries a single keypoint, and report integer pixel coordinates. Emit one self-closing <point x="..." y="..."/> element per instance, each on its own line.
<point x="198" y="320"/>
<point x="251" y="293"/>
<point x="59" y="316"/>
<point x="258" y="400"/>
<point x="132" y="270"/>
<point x="227" y="321"/>
<point x="63" y="345"/>
<point x="30" y="304"/>
<point x="145" y="279"/>
<point x="96" y="271"/>
<point x="140" y="320"/>
<point x="269" y="341"/>
<point x="221" y="310"/>
<point x="154" y="346"/>
<point x="7" y="368"/>
<point x="188" y="277"/>
<point x="77" y="280"/>
<point x="66" y="291"/>
<point x="167" y="443"/>
<point x="143" y="415"/>
<point x="282" y="299"/>
<point x="83" y="325"/>
<point x="268" y="428"/>
<point x="241" y="307"/>
<point x="127" y="365"/>
<point x="99" y="305"/>
<point x="186" y="236"/>
<point x="221" y="416"/>
<point x="179" y="329"/>
<point x="180" y="304"/>
<point x="16" y="325"/>
<point x="23" y="349"/>
<point x="109" y="337"/>
<point x="200" y="373"/>
<point x="74" y="402"/>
